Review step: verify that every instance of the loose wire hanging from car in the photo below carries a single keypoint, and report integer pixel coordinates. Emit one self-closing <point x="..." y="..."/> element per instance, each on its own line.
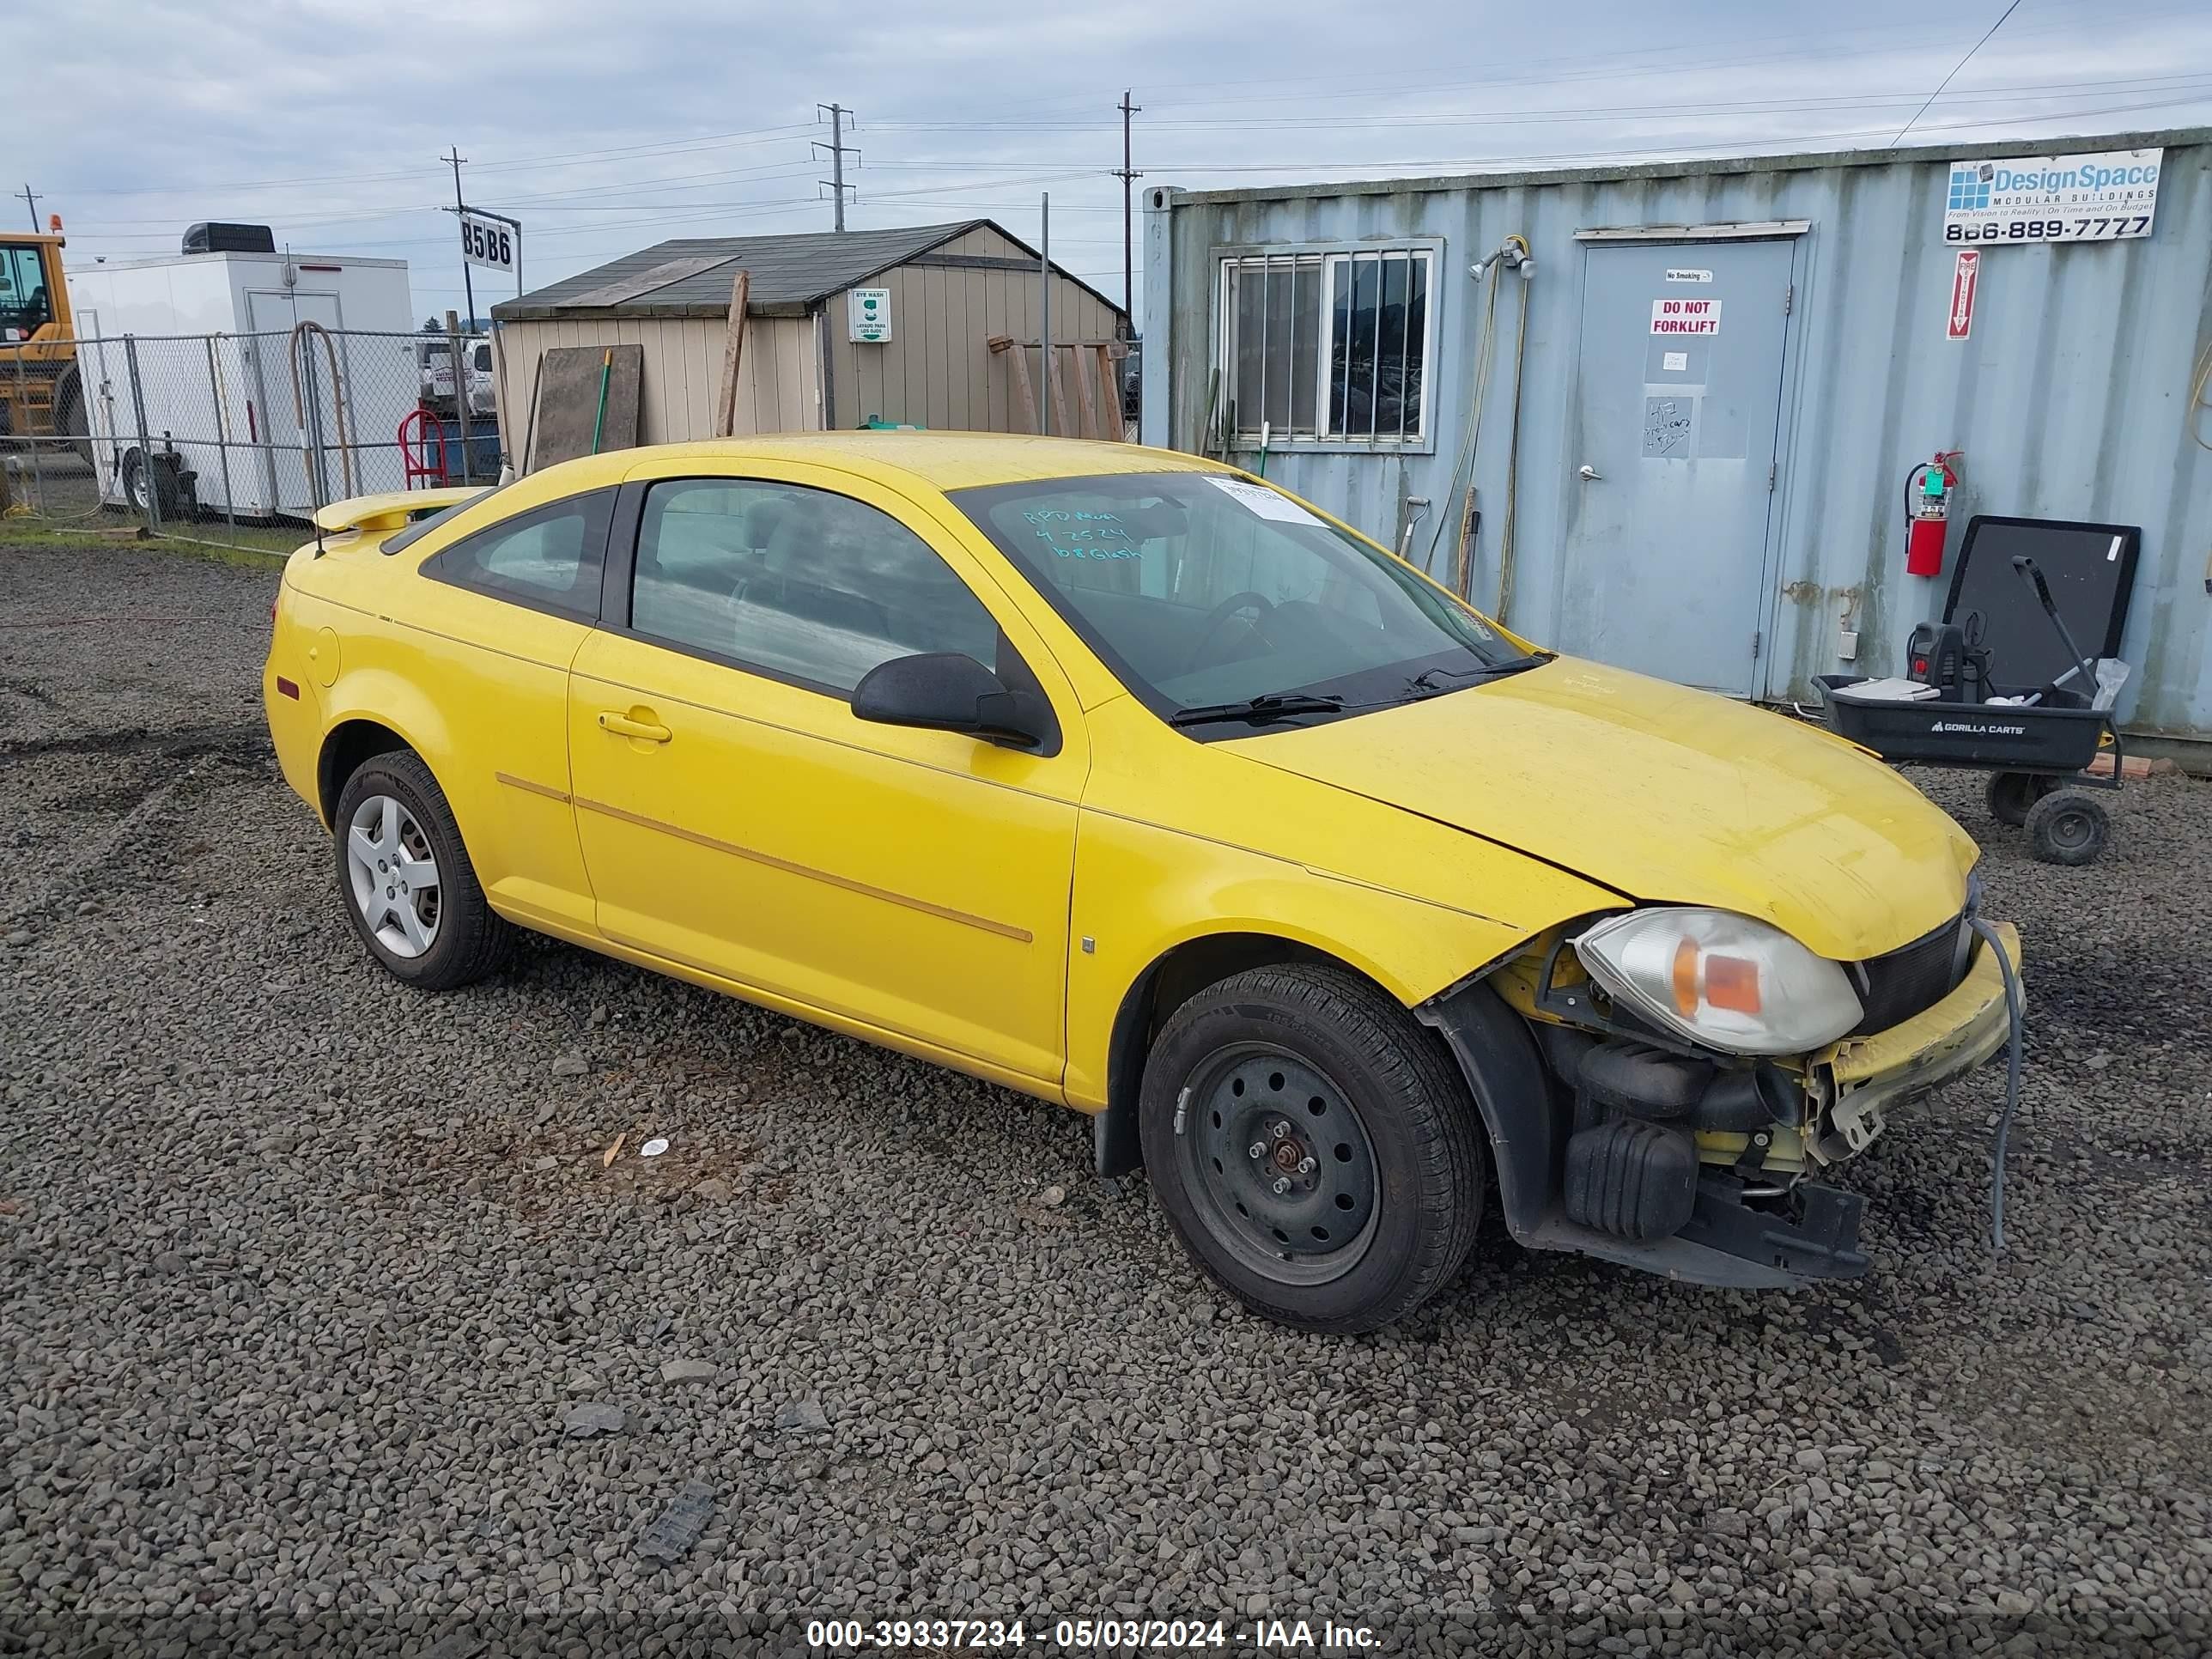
<point x="1989" y="936"/>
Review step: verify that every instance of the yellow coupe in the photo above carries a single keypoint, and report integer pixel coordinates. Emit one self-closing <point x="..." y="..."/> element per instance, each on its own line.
<point x="1124" y="780"/>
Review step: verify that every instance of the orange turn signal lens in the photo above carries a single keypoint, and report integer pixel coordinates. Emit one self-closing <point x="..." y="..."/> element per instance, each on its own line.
<point x="1685" y="975"/>
<point x="1700" y="979"/>
<point x="1732" y="982"/>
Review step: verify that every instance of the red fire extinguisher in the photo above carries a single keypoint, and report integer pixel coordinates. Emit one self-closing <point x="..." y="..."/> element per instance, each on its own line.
<point x="1928" y="489"/>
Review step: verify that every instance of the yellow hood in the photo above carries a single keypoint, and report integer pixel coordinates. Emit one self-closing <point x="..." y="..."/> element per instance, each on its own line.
<point x="1663" y="793"/>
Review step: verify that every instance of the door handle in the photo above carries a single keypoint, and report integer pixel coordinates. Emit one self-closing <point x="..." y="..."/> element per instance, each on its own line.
<point x="622" y="726"/>
<point x="1589" y="475"/>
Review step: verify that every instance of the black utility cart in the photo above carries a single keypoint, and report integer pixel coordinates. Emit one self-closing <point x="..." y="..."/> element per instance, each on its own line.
<point x="1991" y="643"/>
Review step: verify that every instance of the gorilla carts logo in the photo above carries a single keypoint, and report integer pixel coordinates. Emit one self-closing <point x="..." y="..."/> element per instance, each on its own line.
<point x="1979" y="729"/>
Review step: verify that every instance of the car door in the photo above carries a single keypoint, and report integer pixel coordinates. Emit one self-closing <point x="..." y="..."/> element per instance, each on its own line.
<point x="736" y="816"/>
<point x="492" y="637"/>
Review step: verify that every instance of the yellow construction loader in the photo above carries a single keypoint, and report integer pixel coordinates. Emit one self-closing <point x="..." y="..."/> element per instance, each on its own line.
<point x="41" y="394"/>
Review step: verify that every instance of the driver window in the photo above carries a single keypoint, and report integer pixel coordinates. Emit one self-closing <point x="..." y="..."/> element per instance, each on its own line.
<point x="801" y="584"/>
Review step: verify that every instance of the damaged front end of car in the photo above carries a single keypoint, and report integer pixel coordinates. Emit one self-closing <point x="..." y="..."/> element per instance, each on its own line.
<point x="1621" y="1128"/>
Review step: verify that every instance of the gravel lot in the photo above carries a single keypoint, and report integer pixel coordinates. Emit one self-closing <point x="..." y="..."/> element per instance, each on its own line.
<point x="303" y="1275"/>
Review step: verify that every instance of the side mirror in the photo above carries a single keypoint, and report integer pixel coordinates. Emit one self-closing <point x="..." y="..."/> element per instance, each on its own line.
<point x="945" y="691"/>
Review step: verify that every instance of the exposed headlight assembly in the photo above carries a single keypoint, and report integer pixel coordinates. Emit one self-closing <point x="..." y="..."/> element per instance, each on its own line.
<point x="1720" y="979"/>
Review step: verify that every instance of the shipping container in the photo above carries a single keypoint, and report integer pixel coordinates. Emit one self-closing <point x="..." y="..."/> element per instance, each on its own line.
<point x="1686" y="395"/>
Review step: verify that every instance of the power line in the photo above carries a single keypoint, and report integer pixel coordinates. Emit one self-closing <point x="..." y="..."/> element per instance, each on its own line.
<point x="585" y="197"/>
<point x="1955" y="68"/>
<point x="1696" y="110"/>
<point x="936" y="194"/>
<point x="1701" y="110"/>
<point x="1578" y="67"/>
<point x="668" y="146"/>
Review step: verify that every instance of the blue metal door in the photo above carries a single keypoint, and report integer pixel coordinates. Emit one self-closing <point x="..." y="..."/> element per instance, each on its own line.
<point x="1673" y="455"/>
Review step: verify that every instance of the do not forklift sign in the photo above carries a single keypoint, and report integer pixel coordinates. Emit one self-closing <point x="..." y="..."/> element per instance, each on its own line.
<point x="1964" y="281"/>
<point x="1685" y="316"/>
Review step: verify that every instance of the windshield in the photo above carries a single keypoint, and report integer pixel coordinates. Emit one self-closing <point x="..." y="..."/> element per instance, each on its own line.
<point x="1199" y="589"/>
<point x="25" y="306"/>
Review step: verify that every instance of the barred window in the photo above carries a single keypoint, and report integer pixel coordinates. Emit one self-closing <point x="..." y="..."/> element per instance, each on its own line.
<point x="1326" y="346"/>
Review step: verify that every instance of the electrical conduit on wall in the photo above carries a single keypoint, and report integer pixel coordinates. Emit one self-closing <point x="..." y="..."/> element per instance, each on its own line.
<point x="1514" y="252"/>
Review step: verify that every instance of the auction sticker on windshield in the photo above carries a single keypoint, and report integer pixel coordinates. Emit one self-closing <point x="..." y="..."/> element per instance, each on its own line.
<point x="2053" y="198"/>
<point x="1267" y="503"/>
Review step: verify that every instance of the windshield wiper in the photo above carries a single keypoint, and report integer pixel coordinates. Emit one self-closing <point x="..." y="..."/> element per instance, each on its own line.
<point x="1271" y="706"/>
<point x="1427" y="679"/>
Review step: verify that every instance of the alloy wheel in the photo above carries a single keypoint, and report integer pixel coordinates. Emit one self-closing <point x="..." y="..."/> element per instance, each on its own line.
<point x="394" y="874"/>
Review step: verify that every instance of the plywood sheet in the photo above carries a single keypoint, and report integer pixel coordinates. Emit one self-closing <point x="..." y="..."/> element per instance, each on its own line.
<point x="567" y="410"/>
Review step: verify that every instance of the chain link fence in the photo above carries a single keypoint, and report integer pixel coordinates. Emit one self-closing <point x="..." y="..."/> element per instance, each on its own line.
<point x="237" y="438"/>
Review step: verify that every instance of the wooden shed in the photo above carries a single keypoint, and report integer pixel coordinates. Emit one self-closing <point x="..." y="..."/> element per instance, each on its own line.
<point x="953" y="307"/>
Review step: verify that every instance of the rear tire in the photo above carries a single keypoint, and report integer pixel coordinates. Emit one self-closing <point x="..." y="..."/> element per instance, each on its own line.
<point x="2010" y="794"/>
<point x="70" y="421"/>
<point x="2068" y="826"/>
<point x="1355" y="1110"/>
<point x="134" y="475"/>
<point x="394" y="803"/>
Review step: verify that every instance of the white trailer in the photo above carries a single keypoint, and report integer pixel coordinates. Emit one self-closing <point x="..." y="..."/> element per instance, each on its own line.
<point x="243" y="409"/>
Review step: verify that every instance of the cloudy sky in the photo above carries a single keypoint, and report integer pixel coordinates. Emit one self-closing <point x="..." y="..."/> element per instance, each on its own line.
<point x="606" y="128"/>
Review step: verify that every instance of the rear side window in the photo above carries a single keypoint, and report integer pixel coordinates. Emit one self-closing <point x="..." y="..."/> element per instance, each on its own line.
<point x="547" y="559"/>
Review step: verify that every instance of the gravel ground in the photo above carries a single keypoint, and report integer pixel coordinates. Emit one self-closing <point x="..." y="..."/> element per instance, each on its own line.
<point x="304" y="1278"/>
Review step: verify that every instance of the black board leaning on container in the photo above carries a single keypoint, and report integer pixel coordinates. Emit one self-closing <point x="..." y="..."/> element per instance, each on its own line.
<point x="2091" y="569"/>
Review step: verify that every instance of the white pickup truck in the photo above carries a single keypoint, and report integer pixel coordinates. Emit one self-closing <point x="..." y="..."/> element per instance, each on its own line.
<point x="436" y="355"/>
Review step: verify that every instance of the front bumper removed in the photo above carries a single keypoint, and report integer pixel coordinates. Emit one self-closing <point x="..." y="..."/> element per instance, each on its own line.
<point x="1741" y="1231"/>
<point x="1865" y="1077"/>
<point x="1686" y="1168"/>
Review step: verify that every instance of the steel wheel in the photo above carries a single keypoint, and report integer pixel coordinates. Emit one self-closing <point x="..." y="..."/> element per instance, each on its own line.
<point x="394" y="875"/>
<point x="2069" y="827"/>
<point x="2010" y="794"/>
<point x="1352" y="1106"/>
<point x="1280" y="1165"/>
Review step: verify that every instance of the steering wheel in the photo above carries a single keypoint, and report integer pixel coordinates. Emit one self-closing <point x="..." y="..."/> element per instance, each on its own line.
<point x="1220" y="614"/>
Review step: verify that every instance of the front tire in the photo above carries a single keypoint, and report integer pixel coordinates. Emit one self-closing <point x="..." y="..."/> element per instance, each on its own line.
<point x="2068" y="826"/>
<point x="1316" y="1152"/>
<point x="405" y="879"/>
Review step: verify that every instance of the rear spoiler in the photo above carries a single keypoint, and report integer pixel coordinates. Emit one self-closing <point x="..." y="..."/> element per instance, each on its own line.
<point x="377" y="513"/>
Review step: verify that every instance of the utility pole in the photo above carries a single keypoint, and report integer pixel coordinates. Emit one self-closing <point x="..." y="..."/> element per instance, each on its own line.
<point x="838" y="151"/>
<point x="1127" y="174"/>
<point x="1044" y="308"/>
<point x="32" y="203"/>
<point x="468" y="284"/>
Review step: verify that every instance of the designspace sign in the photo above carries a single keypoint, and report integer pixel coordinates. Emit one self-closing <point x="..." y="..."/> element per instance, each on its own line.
<point x="2053" y="198"/>
<point x="1685" y="316"/>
